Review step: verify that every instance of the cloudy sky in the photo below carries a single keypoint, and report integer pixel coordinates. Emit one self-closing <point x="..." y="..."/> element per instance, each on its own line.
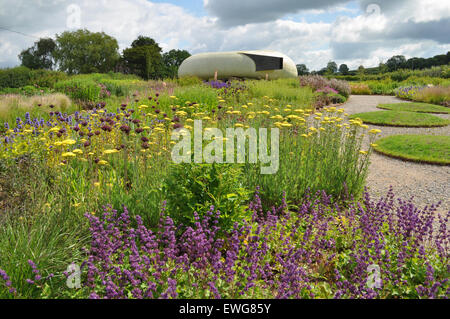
<point x="310" y="32"/>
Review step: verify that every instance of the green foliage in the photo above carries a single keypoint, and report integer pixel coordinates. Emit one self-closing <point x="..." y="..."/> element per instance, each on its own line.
<point x="194" y="187"/>
<point x="418" y="148"/>
<point x="22" y="76"/>
<point x="15" y="77"/>
<point x="144" y="58"/>
<point x="40" y="55"/>
<point x="80" y="89"/>
<point x="312" y="159"/>
<point x="302" y="69"/>
<point x="31" y="229"/>
<point x="83" y="51"/>
<point x="172" y="61"/>
<point x="343" y="69"/>
<point x="189" y="81"/>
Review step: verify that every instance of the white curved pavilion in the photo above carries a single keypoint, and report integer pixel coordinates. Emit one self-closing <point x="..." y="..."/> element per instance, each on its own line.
<point x="258" y="64"/>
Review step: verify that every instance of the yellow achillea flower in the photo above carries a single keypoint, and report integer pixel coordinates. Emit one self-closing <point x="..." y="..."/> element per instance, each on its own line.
<point x="112" y="151"/>
<point x="238" y="125"/>
<point x="68" y="154"/>
<point x="374" y="131"/>
<point x="363" y="152"/>
<point x="68" y="142"/>
<point x="374" y="145"/>
<point x="77" y="151"/>
<point x="102" y="162"/>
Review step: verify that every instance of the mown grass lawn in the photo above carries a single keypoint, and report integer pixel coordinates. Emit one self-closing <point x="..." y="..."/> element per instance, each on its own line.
<point x="416" y="107"/>
<point x="419" y="148"/>
<point x="398" y="118"/>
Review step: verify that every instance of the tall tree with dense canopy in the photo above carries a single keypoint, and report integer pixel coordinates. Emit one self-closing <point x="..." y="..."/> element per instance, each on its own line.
<point x="302" y="69"/>
<point x="396" y="62"/>
<point x="331" y="67"/>
<point x="343" y="69"/>
<point x="172" y="61"/>
<point x="144" y="58"/>
<point x="40" y="55"/>
<point x="83" y="51"/>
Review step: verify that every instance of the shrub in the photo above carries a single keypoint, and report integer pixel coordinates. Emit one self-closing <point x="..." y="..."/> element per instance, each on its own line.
<point x="15" y="77"/>
<point x="193" y="188"/>
<point x="22" y="76"/>
<point x="336" y="98"/>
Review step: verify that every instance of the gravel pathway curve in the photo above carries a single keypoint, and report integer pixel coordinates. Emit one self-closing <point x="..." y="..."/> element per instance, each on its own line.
<point x="428" y="184"/>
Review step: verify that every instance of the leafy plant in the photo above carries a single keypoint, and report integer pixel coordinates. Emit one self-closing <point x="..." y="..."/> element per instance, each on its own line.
<point x="191" y="188"/>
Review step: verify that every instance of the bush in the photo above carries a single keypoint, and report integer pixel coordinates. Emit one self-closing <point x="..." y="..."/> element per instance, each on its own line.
<point x="15" y="77"/>
<point x="193" y="188"/>
<point x="22" y="76"/>
<point x="336" y="98"/>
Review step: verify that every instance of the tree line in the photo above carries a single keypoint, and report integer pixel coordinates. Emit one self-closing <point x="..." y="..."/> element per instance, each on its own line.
<point x="82" y="51"/>
<point x="395" y="63"/>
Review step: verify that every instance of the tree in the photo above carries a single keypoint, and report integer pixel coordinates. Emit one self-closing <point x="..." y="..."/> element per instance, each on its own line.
<point x="396" y="62"/>
<point x="144" y="58"/>
<point x="382" y="68"/>
<point x="40" y="55"/>
<point x="361" y="71"/>
<point x="302" y="69"/>
<point x="172" y="61"/>
<point x="343" y="69"/>
<point x="332" y="67"/>
<point x="83" y="51"/>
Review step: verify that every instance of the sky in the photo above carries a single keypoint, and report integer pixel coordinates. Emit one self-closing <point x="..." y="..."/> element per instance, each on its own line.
<point x="358" y="32"/>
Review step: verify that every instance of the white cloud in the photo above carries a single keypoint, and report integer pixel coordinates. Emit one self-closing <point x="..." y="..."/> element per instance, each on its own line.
<point x="412" y="28"/>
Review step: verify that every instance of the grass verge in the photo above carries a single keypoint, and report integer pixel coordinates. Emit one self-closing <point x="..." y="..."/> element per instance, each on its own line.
<point x="430" y="149"/>
<point x="398" y="118"/>
<point x="416" y="107"/>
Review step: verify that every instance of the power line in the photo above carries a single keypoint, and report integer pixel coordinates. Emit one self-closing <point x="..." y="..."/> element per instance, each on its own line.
<point x="18" y="32"/>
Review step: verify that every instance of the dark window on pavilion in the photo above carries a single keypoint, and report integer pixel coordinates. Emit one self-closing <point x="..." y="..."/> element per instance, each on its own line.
<point x="265" y="63"/>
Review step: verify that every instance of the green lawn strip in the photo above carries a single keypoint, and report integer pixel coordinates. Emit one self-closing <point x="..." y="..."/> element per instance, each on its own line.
<point x="431" y="149"/>
<point x="416" y="107"/>
<point x="397" y="118"/>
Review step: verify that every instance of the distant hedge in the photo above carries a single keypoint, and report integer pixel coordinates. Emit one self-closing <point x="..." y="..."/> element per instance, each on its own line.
<point x="22" y="76"/>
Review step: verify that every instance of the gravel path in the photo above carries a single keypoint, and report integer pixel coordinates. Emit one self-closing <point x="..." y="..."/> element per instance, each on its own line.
<point x="428" y="184"/>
